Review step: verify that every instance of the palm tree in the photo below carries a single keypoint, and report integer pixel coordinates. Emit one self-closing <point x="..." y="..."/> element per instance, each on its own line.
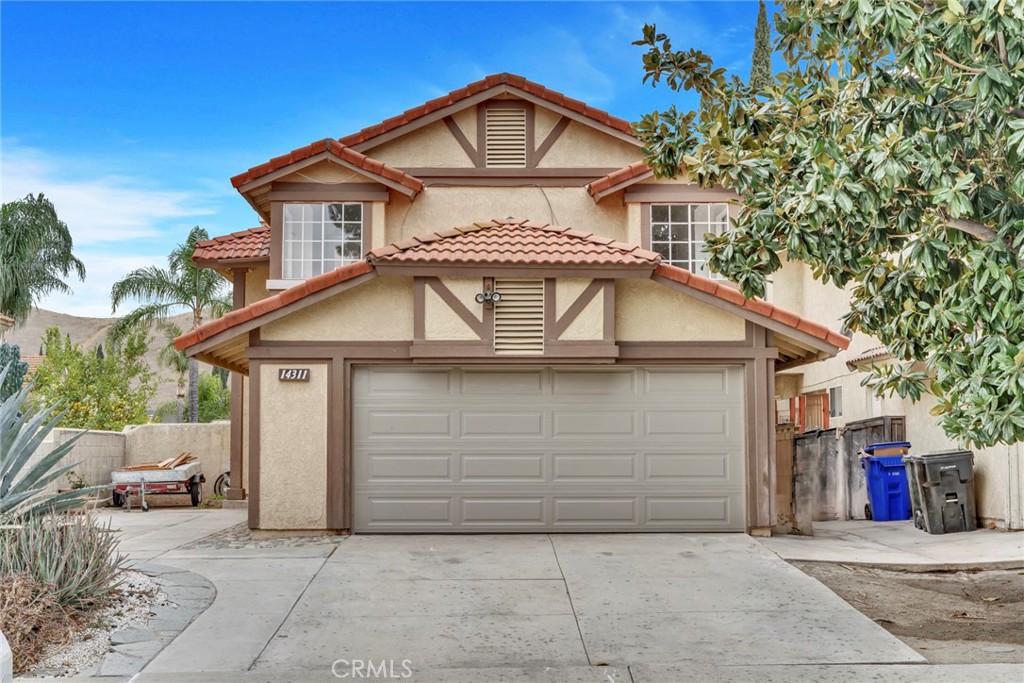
<point x="181" y="285"/>
<point x="35" y="254"/>
<point x="174" y="360"/>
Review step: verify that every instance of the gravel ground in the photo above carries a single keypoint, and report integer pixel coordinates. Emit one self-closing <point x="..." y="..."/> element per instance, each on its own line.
<point x="130" y="606"/>
<point x="240" y="536"/>
<point x="948" y="617"/>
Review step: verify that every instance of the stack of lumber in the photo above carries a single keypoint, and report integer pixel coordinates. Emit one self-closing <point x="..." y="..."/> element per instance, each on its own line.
<point x="168" y="464"/>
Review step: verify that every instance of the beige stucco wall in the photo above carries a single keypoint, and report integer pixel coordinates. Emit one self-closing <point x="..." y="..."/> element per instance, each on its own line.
<point x="433" y="145"/>
<point x="210" y="442"/>
<point x="245" y="433"/>
<point x="589" y="324"/>
<point x="378" y="226"/>
<point x="581" y="146"/>
<point x="439" y="208"/>
<point x="466" y="120"/>
<point x="377" y="310"/>
<point x="543" y="121"/>
<point x="440" y="321"/>
<point x="293" y="449"/>
<point x="326" y="171"/>
<point x="256" y="284"/>
<point x="98" y="453"/>
<point x="648" y="311"/>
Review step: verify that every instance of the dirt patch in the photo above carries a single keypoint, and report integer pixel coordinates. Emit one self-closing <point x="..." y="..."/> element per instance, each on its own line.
<point x="948" y="617"/>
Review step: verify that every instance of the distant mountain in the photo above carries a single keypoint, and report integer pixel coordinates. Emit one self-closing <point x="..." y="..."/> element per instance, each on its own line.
<point x="89" y="332"/>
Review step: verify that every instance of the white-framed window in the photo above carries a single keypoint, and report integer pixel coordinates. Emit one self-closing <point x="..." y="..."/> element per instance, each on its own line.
<point x="319" y="237"/>
<point x="835" y="402"/>
<point x="678" y="230"/>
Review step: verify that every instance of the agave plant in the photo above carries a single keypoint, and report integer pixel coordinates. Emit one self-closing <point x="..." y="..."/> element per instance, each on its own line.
<point x="22" y="431"/>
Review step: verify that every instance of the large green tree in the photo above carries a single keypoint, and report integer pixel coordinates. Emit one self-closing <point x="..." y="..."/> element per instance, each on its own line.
<point x="164" y="291"/>
<point x="889" y="157"/>
<point x="35" y="255"/>
<point x="761" y="61"/>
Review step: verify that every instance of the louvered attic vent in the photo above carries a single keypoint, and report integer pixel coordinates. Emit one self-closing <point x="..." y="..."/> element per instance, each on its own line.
<point x="519" y="318"/>
<point x="506" y="138"/>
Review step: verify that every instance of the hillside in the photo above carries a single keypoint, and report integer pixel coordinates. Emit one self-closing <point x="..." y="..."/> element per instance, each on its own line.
<point x="88" y="332"/>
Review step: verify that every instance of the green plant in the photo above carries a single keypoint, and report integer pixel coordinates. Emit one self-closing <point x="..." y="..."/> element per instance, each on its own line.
<point x="22" y="431"/>
<point x="10" y="355"/>
<point x="214" y="399"/>
<point x="100" y="393"/>
<point x="75" y="558"/>
<point x="888" y="156"/>
<point x="181" y="285"/>
<point x="77" y="481"/>
<point x="35" y="253"/>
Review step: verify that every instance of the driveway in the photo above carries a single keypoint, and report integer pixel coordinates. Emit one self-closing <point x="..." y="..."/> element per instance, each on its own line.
<point x="560" y="607"/>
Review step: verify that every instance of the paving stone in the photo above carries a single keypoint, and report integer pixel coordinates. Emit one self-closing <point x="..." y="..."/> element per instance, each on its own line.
<point x="118" y="664"/>
<point x="178" y="593"/>
<point x="132" y="635"/>
<point x="144" y="649"/>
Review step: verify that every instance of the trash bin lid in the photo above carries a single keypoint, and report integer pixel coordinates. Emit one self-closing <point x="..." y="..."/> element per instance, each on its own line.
<point x="946" y="455"/>
<point x="888" y="444"/>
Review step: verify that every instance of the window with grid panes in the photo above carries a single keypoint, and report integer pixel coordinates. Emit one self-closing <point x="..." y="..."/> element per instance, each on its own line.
<point x="320" y="237"/>
<point x="678" y="230"/>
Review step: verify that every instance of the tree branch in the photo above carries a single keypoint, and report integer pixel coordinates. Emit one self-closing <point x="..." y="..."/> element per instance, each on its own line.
<point x="1001" y="41"/>
<point x="973" y="228"/>
<point x="949" y="60"/>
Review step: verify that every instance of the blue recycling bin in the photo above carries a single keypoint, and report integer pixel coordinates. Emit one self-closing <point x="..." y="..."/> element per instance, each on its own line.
<point x="888" y="490"/>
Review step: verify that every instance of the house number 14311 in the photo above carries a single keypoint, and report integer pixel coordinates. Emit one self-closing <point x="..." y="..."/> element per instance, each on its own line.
<point x="293" y="374"/>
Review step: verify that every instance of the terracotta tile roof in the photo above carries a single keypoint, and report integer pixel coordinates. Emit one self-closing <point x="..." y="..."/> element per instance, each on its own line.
<point x="868" y="357"/>
<point x="758" y="306"/>
<point x="487" y="83"/>
<point x="514" y="242"/>
<point x="272" y="303"/>
<point x="33" y="363"/>
<point x="635" y="171"/>
<point x="253" y="243"/>
<point x="373" y="167"/>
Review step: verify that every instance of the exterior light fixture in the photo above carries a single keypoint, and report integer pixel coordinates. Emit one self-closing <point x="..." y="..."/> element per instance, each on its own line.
<point x="488" y="297"/>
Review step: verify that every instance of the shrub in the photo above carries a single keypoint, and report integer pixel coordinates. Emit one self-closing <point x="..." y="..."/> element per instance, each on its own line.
<point x="72" y="557"/>
<point x="31" y="618"/>
<point x="10" y="355"/>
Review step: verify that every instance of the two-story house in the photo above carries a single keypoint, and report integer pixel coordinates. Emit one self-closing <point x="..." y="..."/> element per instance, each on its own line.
<point x="485" y="314"/>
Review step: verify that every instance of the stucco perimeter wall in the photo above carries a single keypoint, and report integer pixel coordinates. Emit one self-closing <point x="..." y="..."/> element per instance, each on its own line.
<point x="98" y="454"/>
<point x="589" y="324"/>
<point x="648" y="311"/>
<point x="209" y="442"/>
<point x="377" y="310"/>
<point x="293" y="449"/>
<point x="440" y="208"/>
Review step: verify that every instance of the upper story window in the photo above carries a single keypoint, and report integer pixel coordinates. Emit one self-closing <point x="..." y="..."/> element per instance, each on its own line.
<point x="678" y="230"/>
<point x="505" y="137"/>
<point x="319" y="237"/>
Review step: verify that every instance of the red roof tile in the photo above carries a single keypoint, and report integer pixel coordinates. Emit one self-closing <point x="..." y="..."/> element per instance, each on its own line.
<point x="272" y="303"/>
<point x="338" y="149"/>
<point x="513" y="242"/>
<point x="704" y="284"/>
<point x="250" y="244"/>
<point x="635" y="171"/>
<point x="535" y="89"/>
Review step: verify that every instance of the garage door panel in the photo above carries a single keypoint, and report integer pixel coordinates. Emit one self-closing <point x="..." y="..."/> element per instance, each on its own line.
<point x="577" y="449"/>
<point x="501" y="468"/>
<point x="519" y="425"/>
<point x="575" y="423"/>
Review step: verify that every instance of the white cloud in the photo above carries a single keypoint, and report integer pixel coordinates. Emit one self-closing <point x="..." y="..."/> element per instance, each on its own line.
<point x="92" y="298"/>
<point x="98" y="207"/>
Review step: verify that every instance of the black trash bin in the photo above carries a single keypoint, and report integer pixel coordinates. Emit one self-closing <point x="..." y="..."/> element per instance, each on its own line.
<point x="942" y="491"/>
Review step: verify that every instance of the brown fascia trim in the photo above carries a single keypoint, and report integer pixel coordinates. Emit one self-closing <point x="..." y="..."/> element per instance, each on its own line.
<point x="328" y="192"/>
<point x="435" y="173"/>
<point x="483" y="96"/>
<point x="332" y="158"/>
<point x="271" y="316"/>
<point x="231" y="264"/>
<point x="676" y="193"/>
<point x="799" y="336"/>
<point x="505" y="270"/>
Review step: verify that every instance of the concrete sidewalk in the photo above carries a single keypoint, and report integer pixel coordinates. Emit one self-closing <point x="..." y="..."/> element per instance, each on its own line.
<point x="898" y="545"/>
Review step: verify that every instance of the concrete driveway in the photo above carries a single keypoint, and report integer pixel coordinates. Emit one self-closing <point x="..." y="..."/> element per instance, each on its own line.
<point x="560" y="607"/>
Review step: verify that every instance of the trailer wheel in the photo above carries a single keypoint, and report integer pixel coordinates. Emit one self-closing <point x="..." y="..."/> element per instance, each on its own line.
<point x="117" y="499"/>
<point x="195" y="490"/>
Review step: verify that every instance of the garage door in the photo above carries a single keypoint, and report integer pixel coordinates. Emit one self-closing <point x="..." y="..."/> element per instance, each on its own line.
<point x="548" y="449"/>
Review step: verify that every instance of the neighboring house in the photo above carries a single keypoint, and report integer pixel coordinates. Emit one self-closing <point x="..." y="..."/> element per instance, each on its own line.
<point x="832" y="396"/>
<point x="484" y="315"/>
<point x="6" y="323"/>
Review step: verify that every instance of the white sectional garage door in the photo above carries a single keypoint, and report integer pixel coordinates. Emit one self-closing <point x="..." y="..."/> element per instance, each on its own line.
<point x="548" y="449"/>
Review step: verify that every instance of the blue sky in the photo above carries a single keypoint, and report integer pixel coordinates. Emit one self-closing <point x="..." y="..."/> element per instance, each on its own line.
<point x="132" y="117"/>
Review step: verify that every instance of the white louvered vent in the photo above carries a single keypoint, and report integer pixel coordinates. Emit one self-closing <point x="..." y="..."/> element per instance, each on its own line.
<point x="519" y="318"/>
<point x="506" y="138"/>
